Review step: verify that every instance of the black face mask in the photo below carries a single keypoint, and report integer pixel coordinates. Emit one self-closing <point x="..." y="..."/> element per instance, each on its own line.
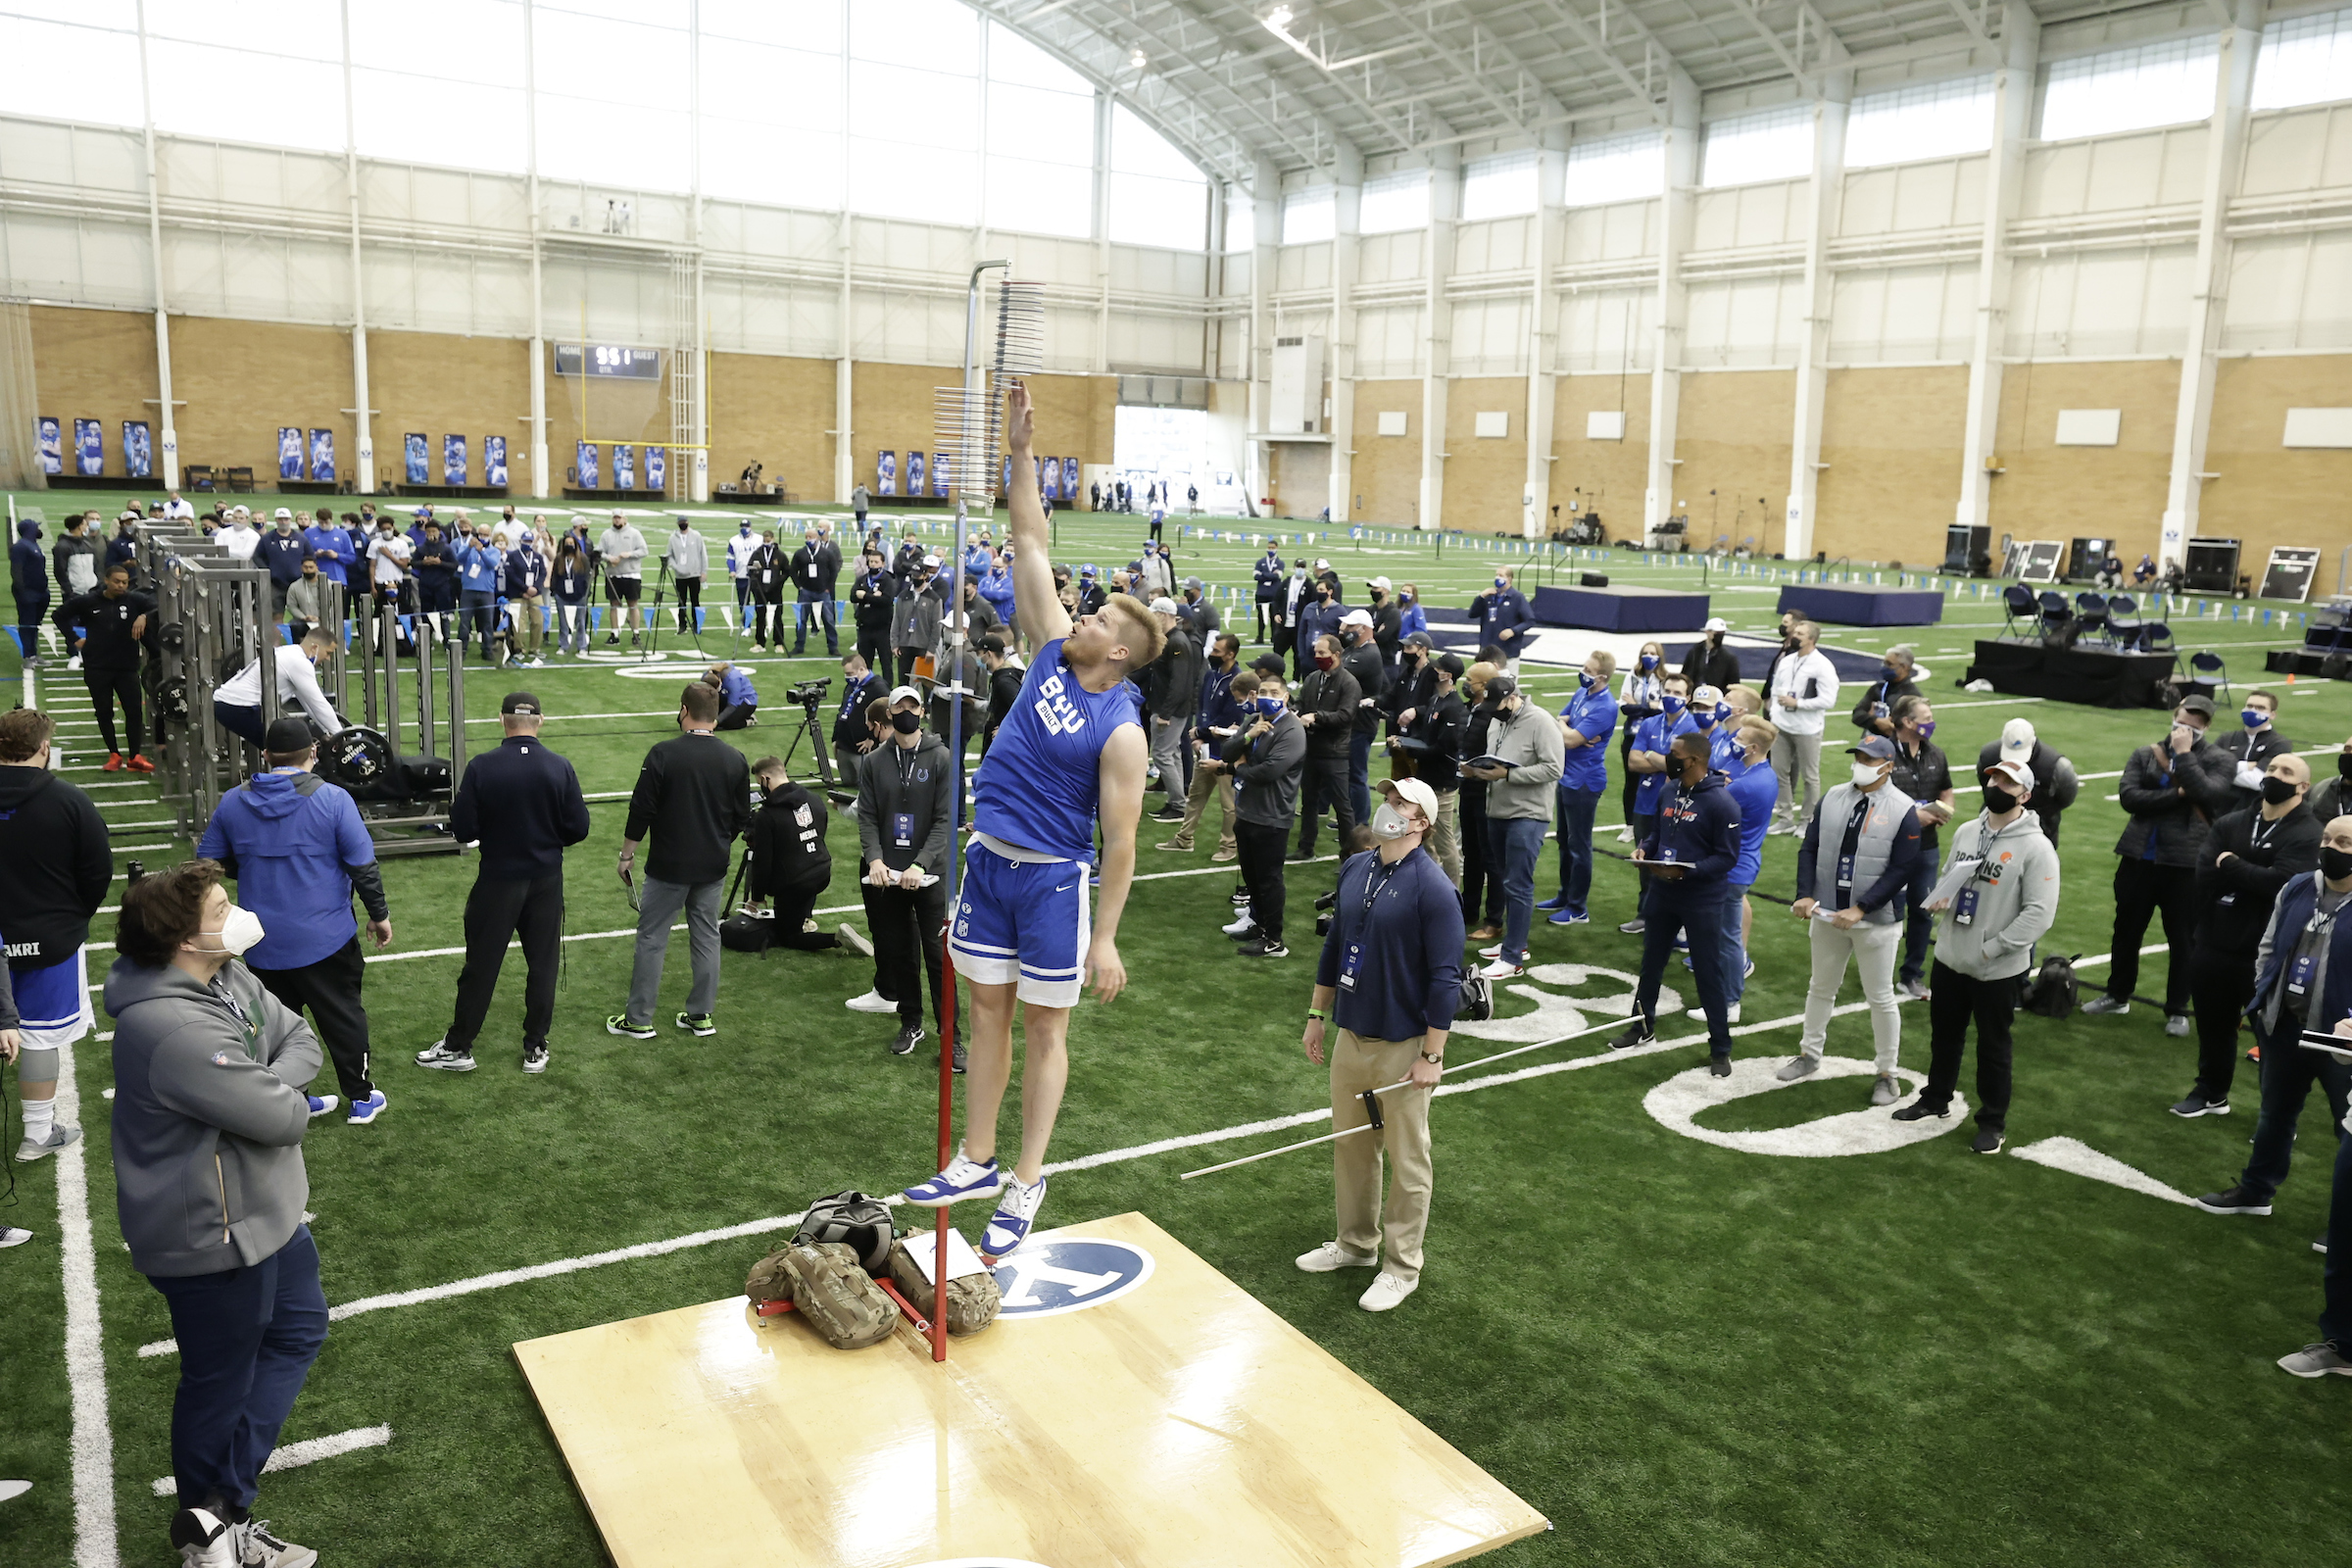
<point x="2343" y="765"/>
<point x="2277" y="791"/>
<point x="1998" y="801"/>
<point x="907" y="723"/>
<point x="1789" y="645"/>
<point x="2335" y="865"/>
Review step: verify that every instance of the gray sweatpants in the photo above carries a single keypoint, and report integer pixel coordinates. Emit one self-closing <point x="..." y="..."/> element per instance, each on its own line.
<point x="658" y="908"/>
<point x="1797" y="763"/>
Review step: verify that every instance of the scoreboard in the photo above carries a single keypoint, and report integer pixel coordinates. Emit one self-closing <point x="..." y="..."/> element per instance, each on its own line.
<point x="608" y="359"/>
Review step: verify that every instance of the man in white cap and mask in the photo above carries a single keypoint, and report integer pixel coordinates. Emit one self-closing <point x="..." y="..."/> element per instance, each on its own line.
<point x="2055" y="784"/>
<point x="1709" y="663"/>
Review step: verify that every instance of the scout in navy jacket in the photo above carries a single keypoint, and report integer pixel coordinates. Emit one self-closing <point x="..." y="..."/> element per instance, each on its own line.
<point x="1698" y="826"/>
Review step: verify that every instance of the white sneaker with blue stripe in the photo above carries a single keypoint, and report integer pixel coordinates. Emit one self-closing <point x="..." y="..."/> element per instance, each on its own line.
<point x="1009" y="1226"/>
<point x="963" y="1178"/>
<point x="321" y="1105"/>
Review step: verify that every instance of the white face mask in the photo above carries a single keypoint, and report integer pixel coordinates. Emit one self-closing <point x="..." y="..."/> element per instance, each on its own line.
<point x="239" y="932"/>
<point x="1866" y="774"/>
<point x="1389" y="823"/>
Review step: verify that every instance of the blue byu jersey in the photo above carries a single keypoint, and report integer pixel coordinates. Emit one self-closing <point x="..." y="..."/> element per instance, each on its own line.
<point x="1041" y="785"/>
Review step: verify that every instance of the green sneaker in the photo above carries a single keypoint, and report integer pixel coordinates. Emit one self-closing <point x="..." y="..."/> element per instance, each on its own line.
<point x="700" y="1023"/>
<point x="619" y="1024"/>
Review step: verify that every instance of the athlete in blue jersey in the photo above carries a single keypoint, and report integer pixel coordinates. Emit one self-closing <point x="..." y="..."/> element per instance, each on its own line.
<point x="1070" y="750"/>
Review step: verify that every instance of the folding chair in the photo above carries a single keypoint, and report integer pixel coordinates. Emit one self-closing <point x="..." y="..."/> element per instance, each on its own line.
<point x="2092" y="610"/>
<point x="2122" y="620"/>
<point x="2055" y="613"/>
<point x="2156" y="637"/>
<point x="2209" y="666"/>
<point x="2016" y="601"/>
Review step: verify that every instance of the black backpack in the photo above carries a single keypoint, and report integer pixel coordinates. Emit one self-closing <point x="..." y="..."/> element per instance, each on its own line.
<point x="860" y="1222"/>
<point x="2052" y="992"/>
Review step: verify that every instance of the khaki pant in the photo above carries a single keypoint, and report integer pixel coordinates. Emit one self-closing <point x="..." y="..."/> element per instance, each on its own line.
<point x="1195" y="805"/>
<point x="1445" y="836"/>
<point x="526" y="613"/>
<point x="1872" y="949"/>
<point x="1356" y="1065"/>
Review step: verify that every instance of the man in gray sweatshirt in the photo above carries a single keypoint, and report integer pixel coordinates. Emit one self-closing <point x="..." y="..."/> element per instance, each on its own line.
<point x="1525" y="744"/>
<point x="1984" y="936"/>
<point x="210" y="1110"/>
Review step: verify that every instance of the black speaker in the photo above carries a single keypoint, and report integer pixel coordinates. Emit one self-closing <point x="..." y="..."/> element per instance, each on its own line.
<point x="1594" y="579"/>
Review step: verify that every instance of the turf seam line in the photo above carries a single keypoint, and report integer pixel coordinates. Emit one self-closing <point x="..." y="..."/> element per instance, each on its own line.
<point x="294" y="1455"/>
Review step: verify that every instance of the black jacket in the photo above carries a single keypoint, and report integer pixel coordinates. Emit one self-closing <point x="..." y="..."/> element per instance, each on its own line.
<point x="2236" y="897"/>
<point x="1004" y="690"/>
<point x="2055" y="785"/>
<point x="1888" y="692"/>
<point x="918" y="786"/>
<point x="1269" y="573"/>
<point x="870" y="597"/>
<point x="1331" y="696"/>
<point x="107" y="624"/>
<point x="1441" y="722"/>
<point x="849" y="721"/>
<point x="1387" y="627"/>
<point x="2240" y="746"/>
<point x="2173" y="797"/>
<point x="1711" y="664"/>
<point x="1414" y="689"/>
<point x="521" y="803"/>
<point x="1371" y="674"/>
<point x="788" y="847"/>
<point x="765" y="572"/>
<point x="816" y="567"/>
<point x="55" y="867"/>
<point x="694" y="793"/>
<point x="1175" y="687"/>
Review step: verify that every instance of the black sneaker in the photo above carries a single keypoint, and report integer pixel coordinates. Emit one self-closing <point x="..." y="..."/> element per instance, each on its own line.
<point x="1920" y="1110"/>
<point x="1296" y="855"/>
<point x="2197" y="1104"/>
<point x="908" y="1039"/>
<point x="1172" y="813"/>
<point x="1988" y="1141"/>
<point x="1264" y="948"/>
<point x="958" y="1065"/>
<point x="1720" y="1067"/>
<point x="2237" y="1200"/>
<point x="1632" y="1035"/>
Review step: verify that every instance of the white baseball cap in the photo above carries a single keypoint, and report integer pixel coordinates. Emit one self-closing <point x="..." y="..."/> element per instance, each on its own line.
<point x="1718" y="625"/>
<point x="900" y="694"/>
<point x="2017" y="740"/>
<point x="1357" y="617"/>
<point x="1378" y="582"/>
<point x="2016" y="773"/>
<point x="1415" y="790"/>
<point x="1163" y="606"/>
<point x="286" y="513"/>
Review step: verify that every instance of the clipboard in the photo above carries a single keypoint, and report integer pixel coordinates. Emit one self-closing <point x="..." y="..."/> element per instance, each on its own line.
<point x="1948" y="886"/>
<point x="2328" y="1045"/>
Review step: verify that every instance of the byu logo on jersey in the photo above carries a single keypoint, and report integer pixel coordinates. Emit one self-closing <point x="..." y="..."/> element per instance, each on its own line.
<point x="1054" y="705"/>
<point x="1069" y="1274"/>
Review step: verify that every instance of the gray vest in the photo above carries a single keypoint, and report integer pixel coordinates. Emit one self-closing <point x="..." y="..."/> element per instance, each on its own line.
<point x="1873" y="848"/>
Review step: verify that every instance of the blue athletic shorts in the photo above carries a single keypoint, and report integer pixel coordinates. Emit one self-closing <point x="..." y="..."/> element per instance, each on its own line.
<point x="1023" y="921"/>
<point x="54" y="1002"/>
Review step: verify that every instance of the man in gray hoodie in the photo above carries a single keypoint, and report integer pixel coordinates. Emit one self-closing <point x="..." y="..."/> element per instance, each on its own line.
<point x="210" y="1108"/>
<point x="1984" y="937"/>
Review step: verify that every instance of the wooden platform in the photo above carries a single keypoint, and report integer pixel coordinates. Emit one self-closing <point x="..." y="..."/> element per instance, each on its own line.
<point x="1177" y="1424"/>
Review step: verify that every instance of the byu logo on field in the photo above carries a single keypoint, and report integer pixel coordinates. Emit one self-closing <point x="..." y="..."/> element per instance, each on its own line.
<point x="1069" y="1274"/>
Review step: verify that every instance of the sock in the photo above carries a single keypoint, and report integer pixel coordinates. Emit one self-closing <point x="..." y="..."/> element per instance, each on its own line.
<point x="40" y="1115"/>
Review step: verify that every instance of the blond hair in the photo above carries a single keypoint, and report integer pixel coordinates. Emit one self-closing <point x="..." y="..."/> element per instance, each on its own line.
<point x="1139" y="629"/>
<point x="1606" y="660"/>
<point x="1763" y="728"/>
<point x="1744" y="699"/>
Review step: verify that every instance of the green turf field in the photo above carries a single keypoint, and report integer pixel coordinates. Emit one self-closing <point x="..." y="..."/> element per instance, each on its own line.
<point x="1681" y="1352"/>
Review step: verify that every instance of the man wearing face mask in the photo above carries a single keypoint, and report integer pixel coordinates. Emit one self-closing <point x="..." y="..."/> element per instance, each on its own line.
<point x="210" y="1110"/>
<point x="1504" y="618"/>
<point x="1362" y="657"/>
<point x="2252" y="747"/>
<point x="915" y="616"/>
<point x="1587" y="722"/>
<point x="2247" y="858"/>
<point x="55" y="868"/>
<point x="1522" y="778"/>
<point x="1327" y="703"/>
<point x="1874" y="713"/>
<point x="1390" y="977"/>
<point x="905" y="800"/>
<point x="1712" y="713"/>
<point x="2302" y="981"/>
<point x="1268" y="576"/>
<point x="1437" y="732"/>
<point x="1789" y="621"/>
<point x="740" y="546"/>
<point x="1708" y="662"/>
<point x="1850" y="894"/>
<point x="1747" y="773"/>
<point x="2170" y="791"/>
<point x="1983" y="945"/>
<point x="1318" y="616"/>
<point x="1804" y="690"/>
<point x="1689" y="855"/>
<point x="1637" y="699"/>
<point x="1266" y="757"/>
<point x="1291" y="599"/>
<point x="1415" y="683"/>
<point x="1648" y="761"/>
<point x="298" y="852"/>
<point x="1482" y="879"/>
<point x="1217" y="716"/>
<point x="2331" y="785"/>
<point x="1387" y="620"/>
<point x="2055" y="785"/>
<point x="1922" y="772"/>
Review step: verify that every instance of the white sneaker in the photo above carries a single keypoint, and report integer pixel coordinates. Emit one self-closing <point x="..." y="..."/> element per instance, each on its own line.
<point x="1494" y="951"/>
<point x="204" y="1538"/>
<point x="321" y="1105"/>
<point x="1731" y="1014"/>
<point x="871" y="1001"/>
<point x="1503" y="969"/>
<point x="259" y="1547"/>
<point x="1331" y="1256"/>
<point x="13" y="1236"/>
<point x="1385" y="1291"/>
<point x="60" y="1136"/>
<point x="851" y="939"/>
<point x="1240" y="926"/>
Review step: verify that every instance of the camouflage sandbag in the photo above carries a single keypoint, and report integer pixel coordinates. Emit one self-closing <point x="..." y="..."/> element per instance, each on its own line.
<point x="839" y="1299"/>
<point x="972" y="1302"/>
<point x="767" y="1281"/>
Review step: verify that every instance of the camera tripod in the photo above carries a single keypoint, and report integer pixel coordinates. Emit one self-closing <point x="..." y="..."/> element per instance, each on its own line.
<point x="811" y="694"/>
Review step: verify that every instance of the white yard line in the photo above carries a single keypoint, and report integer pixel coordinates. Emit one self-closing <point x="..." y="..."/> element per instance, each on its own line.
<point x="294" y="1455"/>
<point x="94" y="1541"/>
<point x="1112" y="1156"/>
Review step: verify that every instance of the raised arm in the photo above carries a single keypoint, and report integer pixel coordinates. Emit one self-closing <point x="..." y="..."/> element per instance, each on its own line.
<point x="1035" y="604"/>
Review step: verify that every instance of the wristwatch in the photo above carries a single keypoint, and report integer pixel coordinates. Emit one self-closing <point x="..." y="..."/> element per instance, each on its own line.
<point x="1434" y="1061"/>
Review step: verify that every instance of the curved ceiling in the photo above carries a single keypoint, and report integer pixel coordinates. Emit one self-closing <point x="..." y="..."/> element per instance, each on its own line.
<point x="1300" y="83"/>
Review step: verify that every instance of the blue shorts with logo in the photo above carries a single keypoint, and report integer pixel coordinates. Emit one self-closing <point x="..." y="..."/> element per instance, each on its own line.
<point x="1024" y="922"/>
<point x="54" y="1002"/>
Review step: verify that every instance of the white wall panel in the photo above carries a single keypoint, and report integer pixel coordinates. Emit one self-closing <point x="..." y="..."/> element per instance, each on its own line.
<point x="81" y="156"/>
<point x="76" y="260"/>
<point x="1070" y="339"/>
<point x="771" y="233"/>
<point x="1903" y="315"/>
<point x="2100" y="304"/>
<point x="1745" y="322"/>
<point x="1607" y="330"/>
<point x="1942" y="193"/>
<point x="1747" y="215"/>
<point x="2290" y="291"/>
<point x="1622" y="231"/>
<point x="1156" y="343"/>
<point x="1498" y="245"/>
<point x="1298" y="268"/>
<point x="452" y="198"/>
<point x="1388" y="342"/>
<point x="2300" y="149"/>
<point x="2112" y="173"/>
<point x="1135" y="270"/>
<point x="1490" y="336"/>
<point x="760" y="316"/>
<point x="1392" y="258"/>
<point x="1046" y="259"/>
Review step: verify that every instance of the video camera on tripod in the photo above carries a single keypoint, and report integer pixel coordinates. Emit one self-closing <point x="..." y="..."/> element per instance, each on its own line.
<point x="810" y="696"/>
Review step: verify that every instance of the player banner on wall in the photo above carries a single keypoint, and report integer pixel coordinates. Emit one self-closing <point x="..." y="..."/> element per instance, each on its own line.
<point x="940" y="474"/>
<point x="323" y="456"/>
<point x="886" y="473"/>
<point x="494" y="460"/>
<point x="585" y="462"/>
<point x="290" y="452"/>
<point x="1069" y="479"/>
<point x="412" y="454"/>
<point x="624" y="468"/>
<point x="657" y="468"/>
<point x="915" y="473"/>
<point x="138" y="448"/>
<point x="89" y="447"/>
<point x="49" y="435"/>
<point x="1049" y="476"/>
<point x="453" y="460"/>
<point x="1005" y="480"/>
